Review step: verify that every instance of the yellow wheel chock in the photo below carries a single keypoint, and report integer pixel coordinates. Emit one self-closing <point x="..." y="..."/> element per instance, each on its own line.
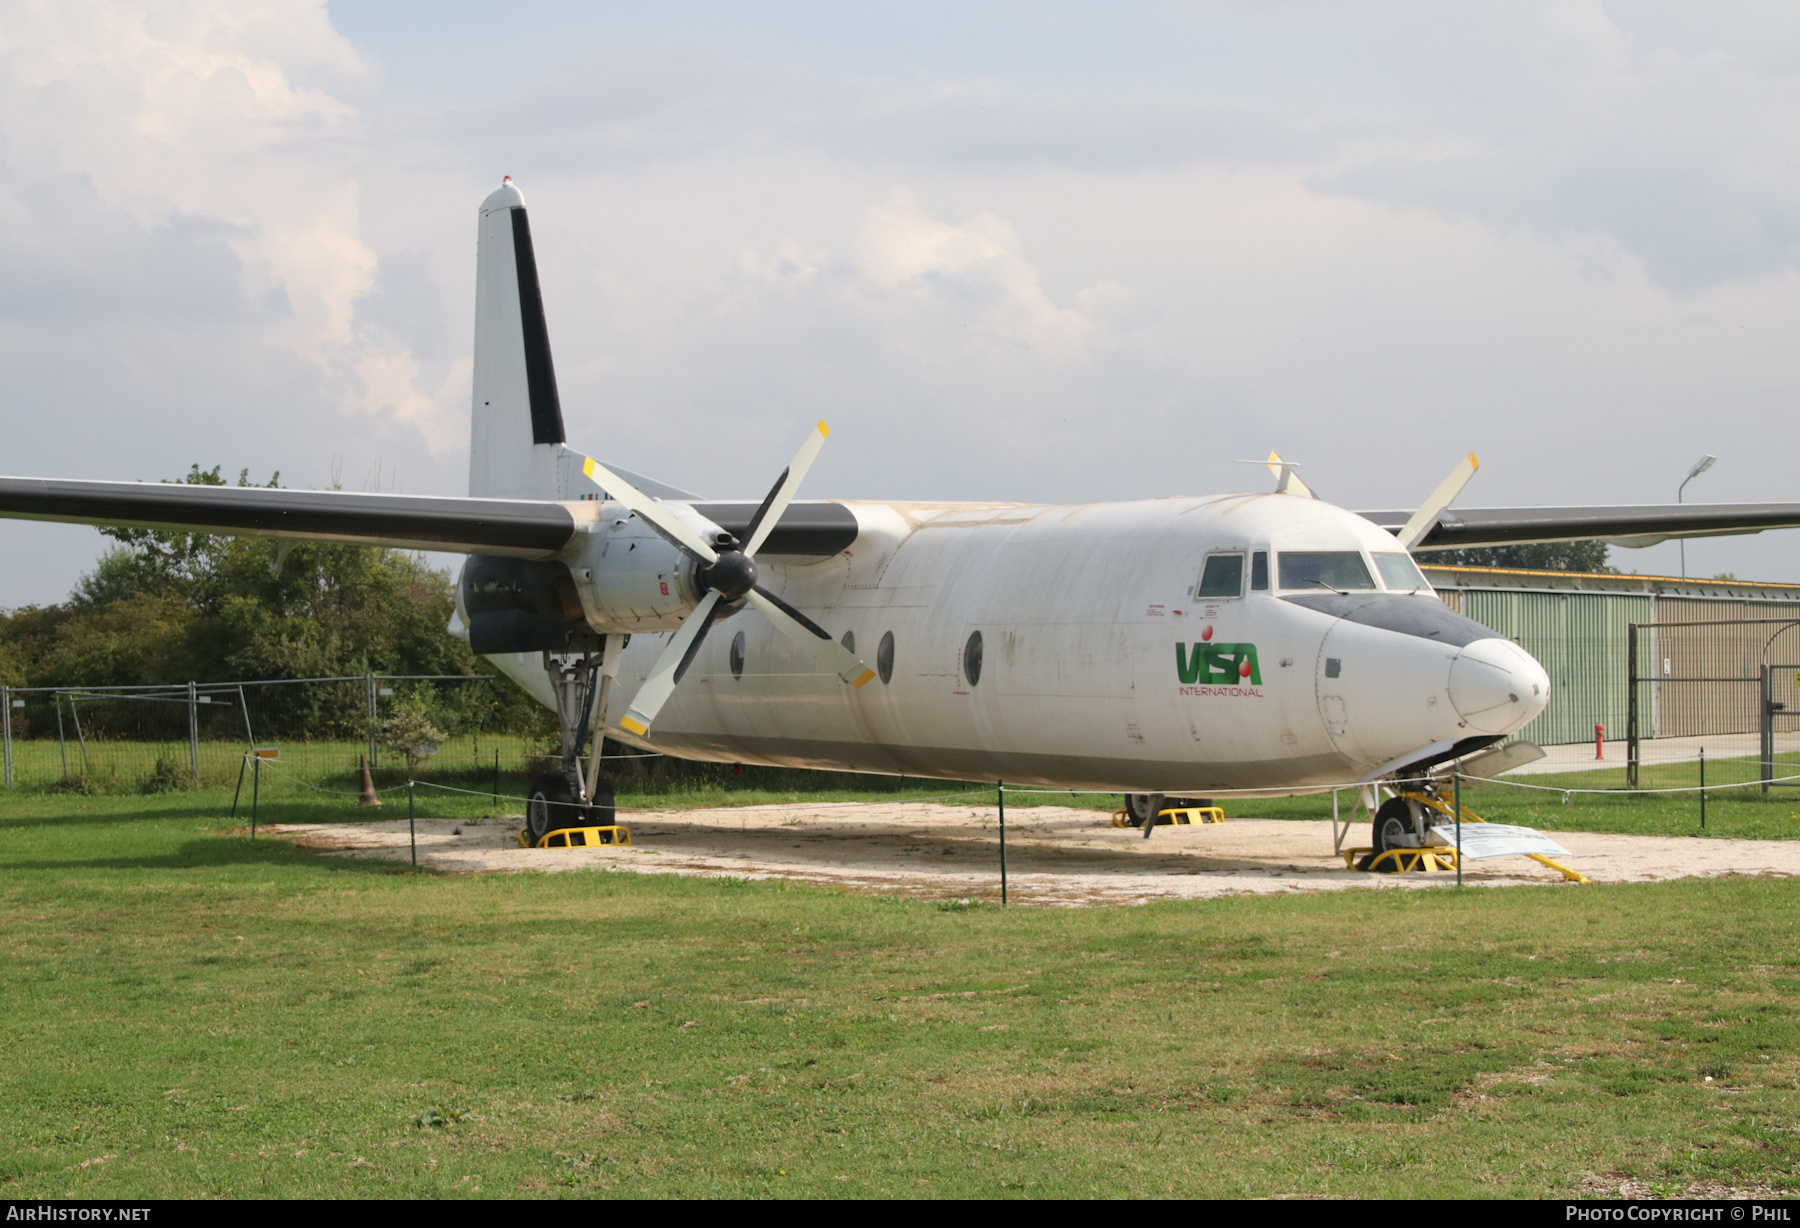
<point x="578" y="837"/>
<point x="1444" y="858"/>
<point x="1405" y="860"/>
<point x="1204" y="816"/>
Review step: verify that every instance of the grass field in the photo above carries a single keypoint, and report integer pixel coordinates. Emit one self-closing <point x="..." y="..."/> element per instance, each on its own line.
<point x="189" y="1013"/>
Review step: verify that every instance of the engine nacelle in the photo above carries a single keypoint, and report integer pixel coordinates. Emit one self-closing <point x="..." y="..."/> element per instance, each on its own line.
<point x="629" y="579"/>
<point x="516" y="605"/>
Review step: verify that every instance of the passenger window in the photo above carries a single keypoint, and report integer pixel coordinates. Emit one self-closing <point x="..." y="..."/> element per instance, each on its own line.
<point x="1259" y="572"/>
<point x="1223" y="576"/>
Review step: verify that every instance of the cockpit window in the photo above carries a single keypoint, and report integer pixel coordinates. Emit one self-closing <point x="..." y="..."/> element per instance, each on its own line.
<point x="1223" y="576"/>
<point x="1399" y="572"/>
<point x="1321" y="569"/>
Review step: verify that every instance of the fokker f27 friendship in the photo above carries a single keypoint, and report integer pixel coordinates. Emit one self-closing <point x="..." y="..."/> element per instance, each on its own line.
<point x="1196" y="645"/>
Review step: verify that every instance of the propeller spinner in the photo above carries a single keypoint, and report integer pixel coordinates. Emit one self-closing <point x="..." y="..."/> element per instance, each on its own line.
<point x="726" y="569"/>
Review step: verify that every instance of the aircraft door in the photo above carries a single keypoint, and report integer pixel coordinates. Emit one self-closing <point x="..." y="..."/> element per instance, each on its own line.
<point x="1333" y="690"/>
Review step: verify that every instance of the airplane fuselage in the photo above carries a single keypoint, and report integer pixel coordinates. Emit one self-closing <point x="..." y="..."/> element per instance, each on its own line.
<point x="1089" y="646"/>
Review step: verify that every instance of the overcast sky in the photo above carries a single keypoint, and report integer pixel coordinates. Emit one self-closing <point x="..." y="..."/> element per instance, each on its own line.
<point x="1017" y="251"/>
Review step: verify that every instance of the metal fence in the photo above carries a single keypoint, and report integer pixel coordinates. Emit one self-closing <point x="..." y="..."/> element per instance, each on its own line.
<point x="1725" y="684"/>
<point x="179" y="736"/>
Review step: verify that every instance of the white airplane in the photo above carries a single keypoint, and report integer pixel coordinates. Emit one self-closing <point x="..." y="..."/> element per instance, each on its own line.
<point x="1161" y="648"/>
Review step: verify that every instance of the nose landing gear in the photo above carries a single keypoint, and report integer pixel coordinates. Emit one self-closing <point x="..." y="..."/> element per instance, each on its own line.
<point x="1402" y="825"/>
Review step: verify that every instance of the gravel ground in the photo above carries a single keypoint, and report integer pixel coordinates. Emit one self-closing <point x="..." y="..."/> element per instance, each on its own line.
<point x="1055" y="855"/>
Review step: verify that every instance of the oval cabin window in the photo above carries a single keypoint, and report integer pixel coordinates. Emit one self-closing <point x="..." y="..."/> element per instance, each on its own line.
<point x="972" y="658"/>
<point x="884" y="657"/>
<point x="737" y="655"/>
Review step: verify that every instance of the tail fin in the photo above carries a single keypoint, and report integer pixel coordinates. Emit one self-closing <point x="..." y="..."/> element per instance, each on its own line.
<point x="516" y="438"/>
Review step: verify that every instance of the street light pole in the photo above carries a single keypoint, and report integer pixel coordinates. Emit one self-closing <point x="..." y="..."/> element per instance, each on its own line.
<point x="1700" y="466"/>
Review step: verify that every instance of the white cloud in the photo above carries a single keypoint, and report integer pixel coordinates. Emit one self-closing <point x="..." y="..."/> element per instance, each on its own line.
<point x="187" y="125"/>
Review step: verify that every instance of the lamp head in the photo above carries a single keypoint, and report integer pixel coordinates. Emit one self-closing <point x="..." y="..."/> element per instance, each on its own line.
<point x="1702" y="465"/>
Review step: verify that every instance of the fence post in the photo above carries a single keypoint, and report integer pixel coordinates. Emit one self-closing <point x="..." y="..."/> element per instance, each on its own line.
<point x="1703" y="788"/>
<point x="1765" y="726"/>
<point x="6" y="729"/>
<point x="412" y="829"/>
<point x="1456" y="784"/>
<point x="369" y="684"/>
<point x="255" y="788"/>
<point x="61" y="745"/>
<point x="1631" y="706"/>
<point x="1001" y="786"/>
<point x="242" y="764"/>
<point x="194" y="730"/>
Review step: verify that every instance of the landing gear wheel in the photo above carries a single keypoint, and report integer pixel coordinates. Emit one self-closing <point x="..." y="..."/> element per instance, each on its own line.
<point x="1393" y="824"/>
<point x="600" y="806"/>
<point x="549" y="805"/>
<point x="1137" y="808"/>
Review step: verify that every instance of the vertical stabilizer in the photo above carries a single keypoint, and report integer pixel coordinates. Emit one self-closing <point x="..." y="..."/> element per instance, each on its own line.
<point x="516" y="437"/>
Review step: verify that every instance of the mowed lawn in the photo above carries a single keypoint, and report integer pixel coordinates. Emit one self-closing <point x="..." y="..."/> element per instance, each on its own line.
<point x="188" y="1013"/>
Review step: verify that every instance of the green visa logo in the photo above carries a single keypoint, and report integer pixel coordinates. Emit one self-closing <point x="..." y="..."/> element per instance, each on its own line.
<point x="1217" y="664"/>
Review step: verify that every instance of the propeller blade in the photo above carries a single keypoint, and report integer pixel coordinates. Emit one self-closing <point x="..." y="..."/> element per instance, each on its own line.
<point x="669" y="667"/>
<point x="1425" y="519"/>
<point x="1287" y="481"/>
<point x="650" y="511"/>
<point x="812" y="637"/>
<point x="782" y="493"/>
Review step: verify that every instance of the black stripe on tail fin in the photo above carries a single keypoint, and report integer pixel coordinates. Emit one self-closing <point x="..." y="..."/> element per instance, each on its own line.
<point x="540" y="374"/>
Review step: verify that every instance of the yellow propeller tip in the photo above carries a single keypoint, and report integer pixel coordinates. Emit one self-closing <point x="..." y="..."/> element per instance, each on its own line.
<point x="587" y="467"/>
<point x="1473" y="461"/>
<point x="868" y="675"/>
<point x="632" y="726"/>
<point x="823" y="429"/>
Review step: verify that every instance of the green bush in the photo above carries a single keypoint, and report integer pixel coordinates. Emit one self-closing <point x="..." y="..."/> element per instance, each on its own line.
<point x="169" y="776"/>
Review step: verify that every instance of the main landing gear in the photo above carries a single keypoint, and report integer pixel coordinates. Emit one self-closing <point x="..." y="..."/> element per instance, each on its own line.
<point x="574" y="796"/>
<point x="1140" y="806"/>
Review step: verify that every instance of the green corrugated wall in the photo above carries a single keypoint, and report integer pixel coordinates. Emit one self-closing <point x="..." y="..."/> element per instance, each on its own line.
<point x="1580" y="639"/>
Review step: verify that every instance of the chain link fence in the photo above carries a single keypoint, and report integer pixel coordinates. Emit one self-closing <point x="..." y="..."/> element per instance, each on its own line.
<point x="155" y="738"/>
<point x="1727" y="687"/>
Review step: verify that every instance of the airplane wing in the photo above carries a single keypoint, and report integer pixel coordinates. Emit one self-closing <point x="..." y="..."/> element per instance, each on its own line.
<point x="1630" y="525"/>
<point x="521" y="528"/>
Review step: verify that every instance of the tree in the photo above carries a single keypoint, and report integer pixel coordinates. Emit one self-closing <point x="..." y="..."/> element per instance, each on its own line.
<point x="411" y="733"/>
<point x="166" y="607"/>
<point x="1585" y="556"/>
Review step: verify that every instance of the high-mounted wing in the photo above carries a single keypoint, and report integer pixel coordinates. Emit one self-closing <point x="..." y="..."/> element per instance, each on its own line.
<point x="1628" y="525"/>
<point x="520" y="528"/>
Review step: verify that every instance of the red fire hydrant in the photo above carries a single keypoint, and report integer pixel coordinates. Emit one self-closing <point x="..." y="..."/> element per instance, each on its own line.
<point x="1599" y="741"/>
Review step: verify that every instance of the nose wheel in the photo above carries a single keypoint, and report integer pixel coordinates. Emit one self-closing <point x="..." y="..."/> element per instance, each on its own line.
<point x="1395" y="827"/>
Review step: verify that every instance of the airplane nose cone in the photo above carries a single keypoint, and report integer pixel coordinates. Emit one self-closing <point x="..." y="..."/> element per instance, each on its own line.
<point x="1496" y="686"/>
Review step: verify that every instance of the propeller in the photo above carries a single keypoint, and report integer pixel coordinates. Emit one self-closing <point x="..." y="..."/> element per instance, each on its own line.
<point x="1287" y="481"/>
<point x="726" y="569"/>
<point x="1426" y="518"/>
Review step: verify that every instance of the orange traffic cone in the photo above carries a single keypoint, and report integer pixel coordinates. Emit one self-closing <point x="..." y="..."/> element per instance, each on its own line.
<point x="367" y="798"/>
